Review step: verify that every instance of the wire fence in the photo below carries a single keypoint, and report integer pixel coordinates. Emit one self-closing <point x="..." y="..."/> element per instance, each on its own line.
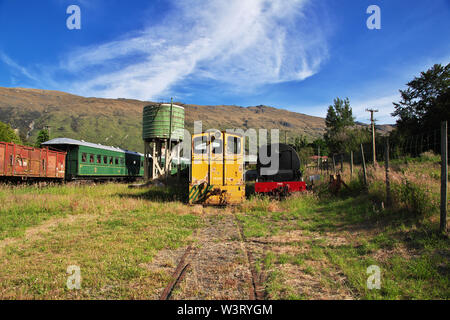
<point x="411" y="147"/>
<point x="385" y="150"/>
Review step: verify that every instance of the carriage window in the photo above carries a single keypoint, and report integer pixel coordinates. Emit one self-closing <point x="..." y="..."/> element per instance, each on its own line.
<point x="142" y="163"/>
<point x="216" y="145"/>
<point x="122" y="161"/>
<point x="200" y="145"/>
<point x="91" y="158"/>
<point x="116" y="160"/>
<point x="83" y="157"/>
<point x="233" y="145"/>
<point x="99" y="159"/>
<point x="105" y="159"/>
<point x="110" y="160"/>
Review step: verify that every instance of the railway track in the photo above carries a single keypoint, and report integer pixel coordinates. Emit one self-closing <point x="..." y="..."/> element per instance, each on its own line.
<point x="178" y="274"/>
<point x="199" y="267"/>
<point x="257" y="291"/>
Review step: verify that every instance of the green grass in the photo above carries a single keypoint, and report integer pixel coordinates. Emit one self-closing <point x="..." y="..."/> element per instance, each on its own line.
<point x="403" y="241"/>
<point x="110" y="236"/>
<point x="114" y="233"/>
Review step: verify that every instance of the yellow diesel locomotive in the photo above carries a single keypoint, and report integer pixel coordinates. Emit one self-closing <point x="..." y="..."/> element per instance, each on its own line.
<point x="217" y="169"/>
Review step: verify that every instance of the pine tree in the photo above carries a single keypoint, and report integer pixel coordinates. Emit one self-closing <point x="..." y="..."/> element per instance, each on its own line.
<point x="42" y="137"/>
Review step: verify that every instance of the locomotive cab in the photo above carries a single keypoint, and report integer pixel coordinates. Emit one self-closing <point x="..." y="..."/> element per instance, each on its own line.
<point x="217" y="169"/>
<point x="282" y="178"/>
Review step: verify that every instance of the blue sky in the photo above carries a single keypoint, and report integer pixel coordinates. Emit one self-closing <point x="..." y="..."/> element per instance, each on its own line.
<point x="293" y="54"/>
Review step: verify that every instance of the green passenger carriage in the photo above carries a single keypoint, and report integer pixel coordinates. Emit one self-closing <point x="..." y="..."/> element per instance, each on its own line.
<point x="87" y="160"/>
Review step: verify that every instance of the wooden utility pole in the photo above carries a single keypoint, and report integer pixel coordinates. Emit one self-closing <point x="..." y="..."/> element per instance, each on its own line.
<point x="372" y="120"/>
<point x="444" y="177"/>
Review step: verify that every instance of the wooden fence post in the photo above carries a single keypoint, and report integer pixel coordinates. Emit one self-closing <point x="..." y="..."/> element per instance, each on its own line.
<point x="318" y="157"/>
<point x="334" y="165"/>
<point x="363" y="165"/>
<point x="342" y="163"/>
<point x="351" y="165"/>
<point x="388" y="184"/>
<point x="444" y="177"/>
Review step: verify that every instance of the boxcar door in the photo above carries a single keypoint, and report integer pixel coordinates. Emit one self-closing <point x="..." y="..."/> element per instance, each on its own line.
<point x="21" y="162"/>
<point x="34" y="162"/>
<point x="200" y="159"/>
<point x="234" y="159"/>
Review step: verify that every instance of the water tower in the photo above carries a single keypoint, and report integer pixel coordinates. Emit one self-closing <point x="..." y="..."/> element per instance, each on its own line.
<point x="162" y="128"/>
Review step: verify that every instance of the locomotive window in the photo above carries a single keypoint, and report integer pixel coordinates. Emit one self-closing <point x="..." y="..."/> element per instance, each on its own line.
<point x="105" y="159"/>
<point x="83" y="157"/>
<point x="200" y="145"/>
<point x="216" y="145"/>
<point x="99" y="158"/>
<point x="116" y="160"/>
<point x="91" y="158"/>
<point x="233" y="145"/>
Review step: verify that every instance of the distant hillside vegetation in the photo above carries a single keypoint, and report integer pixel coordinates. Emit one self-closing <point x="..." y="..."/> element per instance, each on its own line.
<point x="118" y="122"/>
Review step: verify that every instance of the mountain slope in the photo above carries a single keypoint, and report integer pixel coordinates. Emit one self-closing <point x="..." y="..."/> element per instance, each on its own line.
<point x="118" y="122"/>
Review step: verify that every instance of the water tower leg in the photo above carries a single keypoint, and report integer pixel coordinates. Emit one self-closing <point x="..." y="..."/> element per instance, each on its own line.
<point x="178" y="163"/>
<point x="146" y="158"/>
<point x="155" y="159"/>
<point x="166" y="158"/>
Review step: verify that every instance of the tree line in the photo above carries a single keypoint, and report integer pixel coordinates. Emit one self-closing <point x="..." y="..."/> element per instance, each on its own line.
<point x="424" y="104"/>
<point x="8" y="134"/>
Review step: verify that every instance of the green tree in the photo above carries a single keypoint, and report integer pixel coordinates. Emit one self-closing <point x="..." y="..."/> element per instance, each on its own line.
<point x="42" y="137"/>
<point x="339" y="118"/>
<point x="300" y="142"/>
<point x="425" y="103"/>
<point x="7" y="134"/>
<point x="322" y="144"/>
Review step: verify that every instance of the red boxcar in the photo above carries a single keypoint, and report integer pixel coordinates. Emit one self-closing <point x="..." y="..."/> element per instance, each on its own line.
<point x="28" y="162"/>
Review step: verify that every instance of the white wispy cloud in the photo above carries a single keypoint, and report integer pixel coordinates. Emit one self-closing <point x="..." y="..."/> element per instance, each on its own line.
<point x="242" y="44"/>
<point x="16" y="67"/>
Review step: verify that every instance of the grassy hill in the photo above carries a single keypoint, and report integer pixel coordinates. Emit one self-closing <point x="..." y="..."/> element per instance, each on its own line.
<point x="118" y="122"/>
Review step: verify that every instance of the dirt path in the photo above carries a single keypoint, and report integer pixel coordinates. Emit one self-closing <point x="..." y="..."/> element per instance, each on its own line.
<point x="219" y="268"/>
